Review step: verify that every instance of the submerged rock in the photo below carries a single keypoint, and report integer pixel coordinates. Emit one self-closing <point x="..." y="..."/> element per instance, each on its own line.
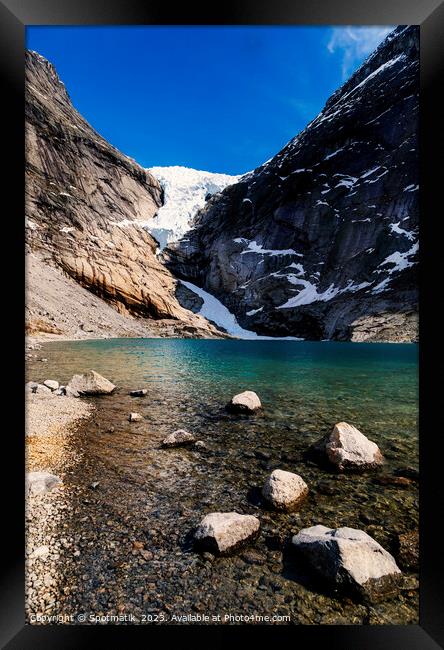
<point x="395" y="481"/>
<point x="224" y="532"/>
<point x="408" y="550"/>
<point x="285" y="490"/>
<point x="349" y="560"/>
<point x="51" y="383"/>
<point x="246" y="402"/>
<point x="135" y="417"/>
<point x="407" y="472"/>
<point x="199" y="444"/>
<point x="90" y="383"/>
<point x="41" y="482"/>
<point x="178" y="438"/>
<point x="138" y="393"/>
<point x="347" y="448"/>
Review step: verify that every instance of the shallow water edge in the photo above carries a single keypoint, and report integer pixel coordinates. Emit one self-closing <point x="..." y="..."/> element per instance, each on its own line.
<point x="128" y="539"/>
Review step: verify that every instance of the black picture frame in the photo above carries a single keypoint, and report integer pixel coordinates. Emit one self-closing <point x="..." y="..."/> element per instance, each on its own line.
<point x="15" y="15"/>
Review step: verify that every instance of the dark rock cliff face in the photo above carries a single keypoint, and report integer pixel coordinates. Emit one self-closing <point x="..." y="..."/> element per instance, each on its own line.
<point x="321" y="241"/>
<point x="84" y="204"/>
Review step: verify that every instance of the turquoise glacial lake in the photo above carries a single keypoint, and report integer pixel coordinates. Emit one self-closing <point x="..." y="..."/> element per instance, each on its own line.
<point x="159" y="496"/>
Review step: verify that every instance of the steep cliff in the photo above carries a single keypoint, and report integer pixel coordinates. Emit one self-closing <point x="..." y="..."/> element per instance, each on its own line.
<point x="322" y="240"/>
<point x="85" y="205"/>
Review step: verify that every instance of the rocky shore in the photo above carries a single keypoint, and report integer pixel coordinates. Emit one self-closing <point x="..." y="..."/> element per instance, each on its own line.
<point x="270" y="552"/>
<point x="51" y="420"/>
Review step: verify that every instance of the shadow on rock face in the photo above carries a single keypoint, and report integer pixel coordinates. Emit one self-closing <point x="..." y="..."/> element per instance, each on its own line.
<point x="295" y="569"/>
<point x="187" y="544"/>
<point x="254" y="496"/>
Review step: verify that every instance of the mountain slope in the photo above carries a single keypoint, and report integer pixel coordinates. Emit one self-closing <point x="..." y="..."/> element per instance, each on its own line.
<point x="185" y="191"/>
<point x="322" y="240"/>
<point x="85" y="205"/>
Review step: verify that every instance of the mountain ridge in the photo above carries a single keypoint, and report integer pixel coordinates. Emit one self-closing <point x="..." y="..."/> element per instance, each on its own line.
<point x="325" y="234"/>
<point x="85" y="205"/>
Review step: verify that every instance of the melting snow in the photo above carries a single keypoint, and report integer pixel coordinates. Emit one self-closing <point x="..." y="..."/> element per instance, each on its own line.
<point x="382" y="67"/>
<point x="375" y="180"/>
<point x="310" y="293"/>
<point x="214" y="310"/>
<point x="371" y="171"/>
<point x="298" y="267"/>
<point x="330" y="155"/>
<point x="348" y="182"/>
<point x="394" y="227"/>
<point x="400" y="262"/>
<point x="254" y="247"/>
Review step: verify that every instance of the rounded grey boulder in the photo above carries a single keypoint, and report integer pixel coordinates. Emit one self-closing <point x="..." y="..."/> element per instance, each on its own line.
<point x="41" y="482"/>
<point x="346" y="448"/>
<point x="224" y="532"/>
<point x="178" y="438"/>
<point x="246" y="402"/>
<point x="284" y="490"/>
<point x="37" y="389"/>
<point x="350" y="560"/>
<point x="51" y="383"/>
<point x="90" y="383"/>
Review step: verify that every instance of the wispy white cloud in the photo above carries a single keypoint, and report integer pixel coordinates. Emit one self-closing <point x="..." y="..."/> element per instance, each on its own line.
<point x="355" y="44"/>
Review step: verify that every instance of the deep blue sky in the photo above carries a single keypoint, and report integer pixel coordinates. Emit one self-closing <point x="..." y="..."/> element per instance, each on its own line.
<point x="222" y="99"/>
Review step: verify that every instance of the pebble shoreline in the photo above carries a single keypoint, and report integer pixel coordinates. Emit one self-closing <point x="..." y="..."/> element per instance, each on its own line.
<point x="45" y="545"/>
<point x="50" y="422"/>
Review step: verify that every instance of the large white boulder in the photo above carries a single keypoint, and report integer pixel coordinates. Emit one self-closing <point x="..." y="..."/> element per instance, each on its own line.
<point x="90" y="383"/>
<point x="347" y="448"/>
<point x="41" y="482"/>
<point x="246" y="402"/>
<point x="285" y="490"/>
<point x="178" y="438"/>
<point x="350" y="560"/>
<point x="224" y="532"/>
<point x="51" y="383"/>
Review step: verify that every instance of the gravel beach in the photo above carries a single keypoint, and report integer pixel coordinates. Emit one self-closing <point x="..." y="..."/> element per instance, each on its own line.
<point x="51" y="420"/>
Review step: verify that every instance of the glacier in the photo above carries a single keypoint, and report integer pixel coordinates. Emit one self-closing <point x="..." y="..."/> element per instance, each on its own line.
<point x="185" y="191"/>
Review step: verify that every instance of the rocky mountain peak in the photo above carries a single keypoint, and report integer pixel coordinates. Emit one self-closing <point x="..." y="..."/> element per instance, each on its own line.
<point x="85" y="206"/>
<point x="325" y="234"/>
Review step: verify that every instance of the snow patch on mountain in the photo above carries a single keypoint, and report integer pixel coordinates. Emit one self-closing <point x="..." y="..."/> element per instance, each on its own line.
<point x="215" y="311"/>
<point x="185" y="192"/>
